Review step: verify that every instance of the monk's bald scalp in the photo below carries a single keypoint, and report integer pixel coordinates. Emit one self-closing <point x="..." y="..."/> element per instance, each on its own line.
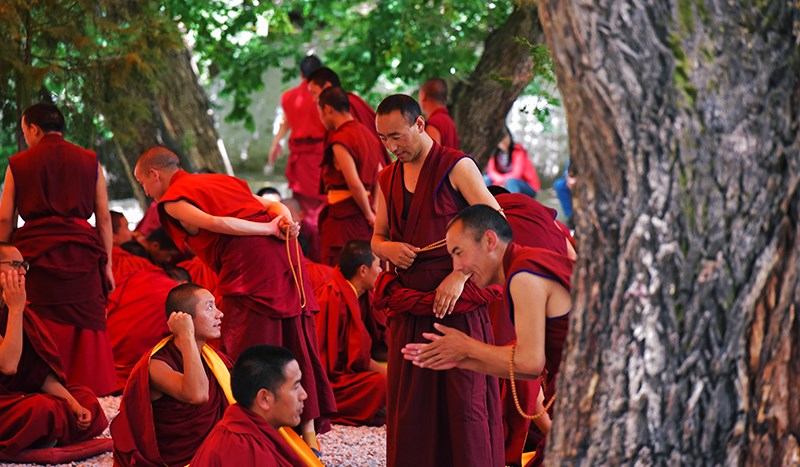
<point x="436" y="90"/>
<point x="5" y="247"/>
<point x="183" y="298"/>
<point x="158" y="157"/>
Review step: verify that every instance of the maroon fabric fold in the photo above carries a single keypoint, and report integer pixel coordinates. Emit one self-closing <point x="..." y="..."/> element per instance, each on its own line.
<point x="243" y="438"/>
<point x="27" y="415"/>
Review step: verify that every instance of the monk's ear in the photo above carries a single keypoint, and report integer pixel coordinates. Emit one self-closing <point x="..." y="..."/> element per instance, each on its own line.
<point x="420" y="124"/>
<point x="491" y="239"/>
<point x="264" y="399"/>
<point x="363" y="270"/>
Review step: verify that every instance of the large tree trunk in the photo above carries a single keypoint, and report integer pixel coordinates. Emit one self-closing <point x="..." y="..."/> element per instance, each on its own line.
<point x="684" y="346"/>
<point x="178" y="117"/>
<point x="482" y="101"/>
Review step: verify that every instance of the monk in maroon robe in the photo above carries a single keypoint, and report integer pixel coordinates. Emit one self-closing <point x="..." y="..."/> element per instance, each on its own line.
<point x="174" y="397"/>
<point x="37" y="407"/>
<point x="135" y="311"/>
<point x="305" y="149"/>
<point x="266" y="385"/>
<point x="318" y="273"/>
<point x="537" y="284"/>
<point x="265" y="290"/>
<point x="533" y="225"/>
<point x="56" y="186"/>
<point x="349" y="174"/>
<point x="434" y="418"/>
<point x="359" y="382"/>
<point x="438" y="123"/>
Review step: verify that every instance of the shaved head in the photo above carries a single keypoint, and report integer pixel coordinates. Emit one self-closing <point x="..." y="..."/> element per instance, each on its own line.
<point x="436" y="90"/>
<point x="157" y="157"/>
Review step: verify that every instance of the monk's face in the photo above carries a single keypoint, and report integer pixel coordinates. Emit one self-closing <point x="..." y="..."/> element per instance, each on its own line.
<point x="11" y="260"/>
<point x="326" y="117"/>
<point x="316" y="90"/>
<point x="287" y="403"/>
<point x="470" y="256"/>
<point x="372" y="273"/>
<point x="207" y="318"/>
<point x="152" y="181"/>
<point x="402" y="138"/>
<point x="123" y="233"/>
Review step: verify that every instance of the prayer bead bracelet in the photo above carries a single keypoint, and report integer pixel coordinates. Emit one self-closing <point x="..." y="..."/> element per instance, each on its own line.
<point x="514" y="390"/>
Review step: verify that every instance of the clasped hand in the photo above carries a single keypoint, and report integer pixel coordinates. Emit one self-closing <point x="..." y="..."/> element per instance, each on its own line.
<point x="443" y="352"/>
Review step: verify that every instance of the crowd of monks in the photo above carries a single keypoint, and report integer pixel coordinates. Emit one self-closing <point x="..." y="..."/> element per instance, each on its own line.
<point x="393" y="288"/>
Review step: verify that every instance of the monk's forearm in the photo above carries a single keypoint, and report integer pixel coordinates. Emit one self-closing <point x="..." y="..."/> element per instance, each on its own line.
<point x="492" y="360"/>
<point x="194" y="384"/>
<point x="240" y="227"/>
<point x="103" y="220"/>
<point x="377" y="246"/>
<point x="11" y="344"/>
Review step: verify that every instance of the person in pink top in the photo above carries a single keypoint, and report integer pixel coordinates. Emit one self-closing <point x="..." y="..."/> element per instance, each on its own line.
<point x="511" y="167"/>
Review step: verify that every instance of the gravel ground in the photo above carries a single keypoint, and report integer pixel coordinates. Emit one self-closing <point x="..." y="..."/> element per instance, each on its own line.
<point x="343" y="446"/>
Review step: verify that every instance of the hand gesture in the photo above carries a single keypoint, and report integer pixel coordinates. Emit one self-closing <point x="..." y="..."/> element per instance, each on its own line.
<point x="445" y="351"/>
<point x="14" y="296"/>
<point x="181" y="325"/>
<point x="401" y="254"/>
<point x="83" y="417"/>
<point x="294" y="227"/>
<point x="447" y="293"/>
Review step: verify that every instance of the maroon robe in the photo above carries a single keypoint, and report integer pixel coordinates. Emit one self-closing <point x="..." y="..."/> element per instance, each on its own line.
<point x="201" y="274"/>
<point x="533" y="226"/>
<point x="165" y="431"/>
<point x="135" y="311"/>
<point x="434" y="417"/>
<point x="66" y="284"/>
<point x="318" y="273"/>
<point x="440" y="119"/>
<point x="556" y="267"/>
<point x="243" y="438"/>
<point x="345" y="345"/>
<point x="344" y="221"/>
<point x="28" y="416"/>
<point x="260" y="301"/>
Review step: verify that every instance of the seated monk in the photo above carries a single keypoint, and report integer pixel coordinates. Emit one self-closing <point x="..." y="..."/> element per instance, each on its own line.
<point x="135" y="310"/>
<point x="266" y="385"/>
<point x="177" y="392"/>
<point x="36" y="409"/>
<point x="120" y="231"/>
<point x="358" y="381"/>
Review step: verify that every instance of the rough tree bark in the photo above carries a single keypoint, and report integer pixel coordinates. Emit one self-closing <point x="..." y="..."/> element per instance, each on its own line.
<point x="482" y="101"/>
<point x="178" y="118"/>
<point x="684" y="346"/>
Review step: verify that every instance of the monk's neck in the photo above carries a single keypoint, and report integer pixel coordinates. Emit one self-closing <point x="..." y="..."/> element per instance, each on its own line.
<point x="342" y="119"/>
<point x="500" y="272"/>
<point x="416" y="165"/>
<point x="358" y="288"/>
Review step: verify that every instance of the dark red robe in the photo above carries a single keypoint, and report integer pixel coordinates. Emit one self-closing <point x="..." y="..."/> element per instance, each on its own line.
<point x="201" y="274"/>
<point x="165" y="431"/>
<point x="261" y="303"/>
<point x="242" y="438"/>
<point x="440" y="119"/>
<point x="556" y="267"/>
<point x="533" y="226"/>
<point x="135" y="312"/>
<point x="365" y="115"/>
<point x="434" y="417"/>
<point x="28" y="416"/>
<point x="345" y="345"/>
<point x="318" y="273"/>
<point x="55" y="185"/>
<point x="344" y="221"/>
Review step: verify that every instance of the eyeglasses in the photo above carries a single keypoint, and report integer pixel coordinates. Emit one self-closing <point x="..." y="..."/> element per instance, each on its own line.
<point x="18" y="264"/>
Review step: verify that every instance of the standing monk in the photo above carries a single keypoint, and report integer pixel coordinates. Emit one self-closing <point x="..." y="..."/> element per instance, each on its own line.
<point x="537" y="287"/>
<point x="305" y="149"/>
<point x="325" y="78"/>
<point x="264" y="289"/>
<point x="35" y="405"/>
<point x="434" y="418"/>
<point x="349" y="174"/>
<point x="438" y="124"/>
<point x="56" y="186"/>
<point x="359" y="382"/>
